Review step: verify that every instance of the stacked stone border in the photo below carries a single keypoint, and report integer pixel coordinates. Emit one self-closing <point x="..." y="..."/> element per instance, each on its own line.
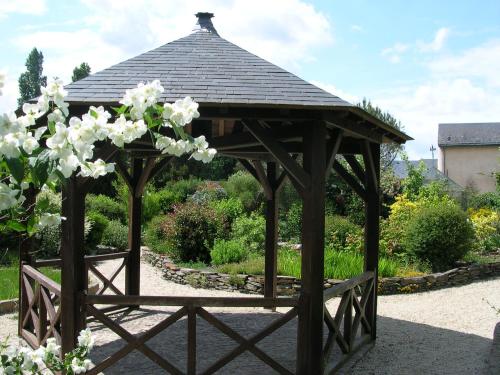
<point x="287" y="285"/>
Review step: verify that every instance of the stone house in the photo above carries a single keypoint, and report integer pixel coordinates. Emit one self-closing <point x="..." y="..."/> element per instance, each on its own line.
<point x="469" y="154"/>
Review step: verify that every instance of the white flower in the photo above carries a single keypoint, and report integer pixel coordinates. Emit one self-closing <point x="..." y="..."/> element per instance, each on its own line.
<point x="60" y="138"/>
<point x="142" y="97"/>
<point x="96" y="169"/>
<point x="205" y="155"/>
<point x="168" y="110"/>
<point x="52" y="346"/>
<point x="9" y="124"/>
<point x="77" y="366"/>
<point x="184" y="111"/>
<point x="39" y="132"/>
<point x="10" y="144"/>
<point x="56" y="116"/>
<point x="85" y="339"/>
<point x="30" y="144"/>
<point x="68" y="163"/>
<point x="50" y="220"/>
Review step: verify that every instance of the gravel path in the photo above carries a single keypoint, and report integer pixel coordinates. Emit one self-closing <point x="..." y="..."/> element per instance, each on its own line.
<point x="441" y="332"/>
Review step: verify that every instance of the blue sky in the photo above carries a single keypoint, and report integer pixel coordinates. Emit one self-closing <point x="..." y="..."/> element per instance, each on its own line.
<point x="426" y="62"/>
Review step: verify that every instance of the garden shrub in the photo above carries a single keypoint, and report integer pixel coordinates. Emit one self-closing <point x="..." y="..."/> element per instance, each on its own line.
<point x="183" y="188"/>
<point x="251" y="230"/>
<point x="151" y="205"/>
<point x="486" y="224"/>
<point x="190" y="232"/>
<point x="228" y="251"/>
<point x="208" y="192"/>
<point x="155" y="237"/>
<point x="244" y="186"/>
<point x="98" y="224"/>
<point x="290" y="225"/>
<point x="107" y="206"/>
<point x="342" y="234"/>
<point x="116" y="235"/>
<point x="228" y="209"/>
<point x="48" y="201"/>
<point x="48" y="242"/>
<point x="440" y="235"/>
<point x="489" y="200"/>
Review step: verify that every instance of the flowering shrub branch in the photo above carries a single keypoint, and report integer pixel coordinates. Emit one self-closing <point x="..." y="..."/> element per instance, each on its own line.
<point x="46" y="359"/>
<point x="39" y="157"/>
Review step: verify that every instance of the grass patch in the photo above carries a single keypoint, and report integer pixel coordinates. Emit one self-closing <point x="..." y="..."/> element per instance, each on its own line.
<point x="338" y="265"/>
<point x="192" y="265"/>
<point x="9" y="287"/>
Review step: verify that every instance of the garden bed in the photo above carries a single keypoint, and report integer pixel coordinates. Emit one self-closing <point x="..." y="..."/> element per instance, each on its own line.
<point x="288" y="285"/>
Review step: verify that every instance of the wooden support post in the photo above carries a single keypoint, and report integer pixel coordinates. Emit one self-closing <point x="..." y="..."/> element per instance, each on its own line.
<point x="372" y="226"/>
<point x="25" y="248"/>
<point x="271" y="251"/>
<point x="133" y="269"/>
<point x="310" y="326"/>
<point x="72" y="264"/>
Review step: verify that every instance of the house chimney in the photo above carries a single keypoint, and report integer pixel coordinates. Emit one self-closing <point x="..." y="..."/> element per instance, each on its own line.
<point x="205" y="22"/>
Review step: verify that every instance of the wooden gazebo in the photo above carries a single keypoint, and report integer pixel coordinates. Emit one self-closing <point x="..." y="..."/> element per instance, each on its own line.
<point x="265" y="117"/>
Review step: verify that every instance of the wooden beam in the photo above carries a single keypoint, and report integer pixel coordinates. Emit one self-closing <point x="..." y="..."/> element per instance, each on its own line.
<point x="133" y="269"/>
<point x="332" y="149"/>
<point x="310" y="323"/>
<point x="121" y="168"/>
<point x="372" y="233"/>
<point x="276" y="149"/>
<point x="160" y="165"/>
<point x="271" y="240"/>
<point x="356" y="167"/>
<point x="250" y="169"/>
<point x="72" y="264"/>
<point x="263" y="179"/>
<point x="144" y="178"/>
<point x="349" y="179"/>
<point x="371" y="169"/>
<point x="345" y="121"/>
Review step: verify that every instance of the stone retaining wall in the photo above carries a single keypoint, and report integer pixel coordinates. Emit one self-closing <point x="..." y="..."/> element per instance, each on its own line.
<point x="288" y="285"/>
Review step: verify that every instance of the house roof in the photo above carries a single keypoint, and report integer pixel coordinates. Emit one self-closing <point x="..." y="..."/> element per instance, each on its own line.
<point x="469" y="134"/>
<point x="431" y="173"/>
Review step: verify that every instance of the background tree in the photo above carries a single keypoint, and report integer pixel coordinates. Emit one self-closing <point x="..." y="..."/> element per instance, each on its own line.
<point x="31" y="80"/>
<point x="80" y="72"/>
<point x="388" y="152"/>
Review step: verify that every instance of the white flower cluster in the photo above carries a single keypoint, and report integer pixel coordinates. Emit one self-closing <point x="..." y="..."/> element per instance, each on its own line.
<point x="71" y="146"/>
<point x="45" y="360"/>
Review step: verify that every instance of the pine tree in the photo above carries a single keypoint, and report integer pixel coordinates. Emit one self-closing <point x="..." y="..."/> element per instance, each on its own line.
<point x="80" y="72"/>
<point x="31" y="80"/>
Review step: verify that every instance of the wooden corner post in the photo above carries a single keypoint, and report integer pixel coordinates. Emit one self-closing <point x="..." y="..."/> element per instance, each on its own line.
<point x="371" y="157"/>
<point x="310" y="326"/>
<point x="271" y="251"/>
<point x="133" y="269"/>
<point x="72" y="263"/>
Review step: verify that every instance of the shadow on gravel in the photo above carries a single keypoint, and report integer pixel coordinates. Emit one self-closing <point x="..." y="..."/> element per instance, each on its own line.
<point x="402" y="347"/>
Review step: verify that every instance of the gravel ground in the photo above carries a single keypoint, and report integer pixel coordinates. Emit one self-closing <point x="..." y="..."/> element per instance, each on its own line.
<point x="448" y="331"/>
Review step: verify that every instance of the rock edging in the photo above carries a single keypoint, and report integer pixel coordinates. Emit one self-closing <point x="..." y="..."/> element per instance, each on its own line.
<point x="288" y="285"/>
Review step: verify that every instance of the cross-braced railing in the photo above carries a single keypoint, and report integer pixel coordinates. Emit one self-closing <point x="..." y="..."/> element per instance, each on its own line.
<point x="351" y="314"/>
<point x="190" y="307"/>
<point x="106" y="281"/>
<point x="42" y="317"/>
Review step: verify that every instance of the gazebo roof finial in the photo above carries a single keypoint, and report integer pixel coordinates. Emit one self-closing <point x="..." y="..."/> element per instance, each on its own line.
<point x="205" y="22"/>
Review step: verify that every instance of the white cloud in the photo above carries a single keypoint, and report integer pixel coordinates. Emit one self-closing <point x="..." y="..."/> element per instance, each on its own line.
<point x="35" y="7"/>
<point x="437" y="43"/>
<point x="10" y="93"/>
<point x="422" y="108"/>
<point x="393" y="54"/>
<point x="480" y="62"/>
<point x="283" y="31"/>
<point x="357" y="28"/>
<point x="353" y="99"/>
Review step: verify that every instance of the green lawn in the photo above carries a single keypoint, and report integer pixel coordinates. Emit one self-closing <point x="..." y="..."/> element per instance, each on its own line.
<point x="9" y="280"/>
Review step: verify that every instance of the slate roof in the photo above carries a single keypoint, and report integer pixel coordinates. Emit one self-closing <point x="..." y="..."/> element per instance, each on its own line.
<point x="431" y="173"/>
<point x="208" y="68"/>
<point x="469" y="134"/>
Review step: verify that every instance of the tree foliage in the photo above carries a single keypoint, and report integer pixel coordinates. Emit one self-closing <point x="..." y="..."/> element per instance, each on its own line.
<point x="388" y="151"/>
<point x="80" y="72"/>
<point x="31" y="80"/>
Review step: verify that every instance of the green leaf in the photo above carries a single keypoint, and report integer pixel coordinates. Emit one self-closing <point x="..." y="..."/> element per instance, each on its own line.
<point x="52" y="127"/>
<point x="16" y="168"/>
<point x="93" y="113"/>
<point x="16" y="226"/>
<point x="40" y="172"/>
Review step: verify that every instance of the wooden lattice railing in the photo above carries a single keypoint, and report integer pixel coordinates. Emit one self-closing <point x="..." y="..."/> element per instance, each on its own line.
<point x="42" y="317"/>
<point x="350" y="315"/>
<point x="190" y="307"/>
<point x="106" y="281"/>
